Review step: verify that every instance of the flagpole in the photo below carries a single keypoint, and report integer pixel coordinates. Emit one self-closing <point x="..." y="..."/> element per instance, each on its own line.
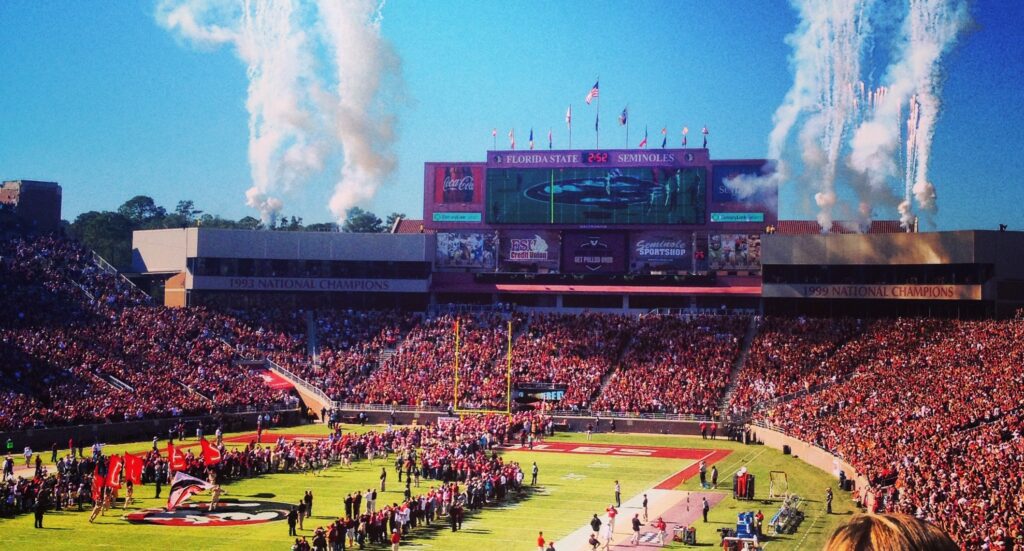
<point x="569" y="124"/>
<point x="627" y="130"/>
<point x="597" y="123"/>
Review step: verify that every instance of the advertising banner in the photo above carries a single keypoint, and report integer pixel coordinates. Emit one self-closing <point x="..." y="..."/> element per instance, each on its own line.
<point x="892" y="292"/>
<point x="458" y="184"/>
<point x="522" y="248"/>
<point x="660" y="251"/>
<point x="311" y="284"/>
<point x="466" y="250"/>
<point x="722" y="173"/>
<point x="593" y="252"/>
<point x="728" y="251"/>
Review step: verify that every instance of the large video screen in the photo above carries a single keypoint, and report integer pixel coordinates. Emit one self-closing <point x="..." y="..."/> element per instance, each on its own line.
<point x="734" y="251"/>
<point x="466" y="250"/>
<point x="596" y="195"/>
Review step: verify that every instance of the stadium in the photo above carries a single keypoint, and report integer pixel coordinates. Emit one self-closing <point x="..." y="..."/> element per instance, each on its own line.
<point x="546" y="309"/>
<point x="766" y="338"/>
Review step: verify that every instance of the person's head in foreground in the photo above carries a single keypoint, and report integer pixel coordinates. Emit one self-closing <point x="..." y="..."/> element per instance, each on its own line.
<point x="889" y="533"/>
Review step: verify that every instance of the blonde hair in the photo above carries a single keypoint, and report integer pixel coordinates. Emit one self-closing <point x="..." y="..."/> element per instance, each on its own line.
<point x="889" y="533"/>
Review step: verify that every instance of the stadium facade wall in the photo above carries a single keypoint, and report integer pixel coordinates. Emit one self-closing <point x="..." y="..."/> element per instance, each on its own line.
<point x="133" y="431"/>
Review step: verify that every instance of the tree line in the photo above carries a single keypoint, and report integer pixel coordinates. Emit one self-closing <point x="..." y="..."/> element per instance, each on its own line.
<point x="109" y="233"/>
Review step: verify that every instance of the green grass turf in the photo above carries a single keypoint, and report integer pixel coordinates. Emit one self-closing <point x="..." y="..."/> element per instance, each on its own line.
<point x="572" y="488"/>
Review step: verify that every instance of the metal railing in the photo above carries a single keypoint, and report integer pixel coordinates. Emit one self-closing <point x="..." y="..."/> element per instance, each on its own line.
<point x="107" y="267"/>
<point x="299" y="381"/>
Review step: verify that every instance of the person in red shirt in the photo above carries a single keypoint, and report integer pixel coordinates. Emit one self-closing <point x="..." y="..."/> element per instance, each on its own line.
<point x="395" y="538"/>
<point x="661" y="526"/>
<point x="612" y="511"/>
<point x="540" y="541"/>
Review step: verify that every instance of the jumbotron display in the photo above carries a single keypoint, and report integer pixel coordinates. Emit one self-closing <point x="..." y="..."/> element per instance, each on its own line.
<point x="596" y="195"/>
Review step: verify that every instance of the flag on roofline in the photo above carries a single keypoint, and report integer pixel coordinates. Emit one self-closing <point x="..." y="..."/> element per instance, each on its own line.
<point x="643" y="142"/>
<point x="494" y="132"/>
<point x="184" y="487"/>
<point x="685" y="132"/>
<point x="512" y="138"/>
<point x="593" y="93"/>
<point x="624" y="117"/>
<point x="531" y="138"/>
<point x="549" y="139"/>
<point x="568" y="116"/>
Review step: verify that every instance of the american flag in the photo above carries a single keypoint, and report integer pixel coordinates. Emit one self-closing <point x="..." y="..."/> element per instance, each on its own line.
<point x="643" y="142"/>
<point x="593" y="93"/>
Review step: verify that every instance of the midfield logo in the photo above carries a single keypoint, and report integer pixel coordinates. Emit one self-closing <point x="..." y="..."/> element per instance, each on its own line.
<point x="227" y="513"/>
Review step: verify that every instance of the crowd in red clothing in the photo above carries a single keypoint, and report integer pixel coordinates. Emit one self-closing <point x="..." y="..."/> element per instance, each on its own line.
<point x="789" y="355"/>
<point x="675" y="365"/>
<point x="422" y="370"/>
<point x="572" y="350"/>
<point x="80" y="345"/>
<point x="932" y="418"/>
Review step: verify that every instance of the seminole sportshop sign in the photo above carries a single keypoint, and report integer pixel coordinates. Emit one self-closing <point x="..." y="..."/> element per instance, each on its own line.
<point x="878" y="292"/>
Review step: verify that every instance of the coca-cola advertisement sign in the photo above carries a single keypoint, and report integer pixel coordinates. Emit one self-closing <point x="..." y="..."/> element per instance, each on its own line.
<point x="530" y="248"/>
<point x="594" y="252"/>
<point x="661" y="251"/>
<point x="458" y="184"/>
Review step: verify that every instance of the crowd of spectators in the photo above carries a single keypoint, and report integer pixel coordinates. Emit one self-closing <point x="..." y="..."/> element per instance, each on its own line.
<point x="78" y="344"/>
<point x="790" y="355"/>
<point x="675" y="365"/>
<point x="932" y="419"/>
<point x="572" y="350"/>
<point x="422" y="369"/>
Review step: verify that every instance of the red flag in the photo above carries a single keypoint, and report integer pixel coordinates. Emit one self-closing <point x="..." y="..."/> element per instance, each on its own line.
<point x="114" y="472"/>
<point x="133" y="468"/>
<point x="176" y="458"/>
<point x="211" y="455"/>
<point x="97" y="483"/>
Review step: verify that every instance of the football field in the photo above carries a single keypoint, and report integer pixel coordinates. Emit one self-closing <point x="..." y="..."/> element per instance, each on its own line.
<point x="576" y="480"/>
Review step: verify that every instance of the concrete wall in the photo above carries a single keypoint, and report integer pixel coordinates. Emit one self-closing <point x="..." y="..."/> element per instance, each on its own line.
<point x="131" y="431"/>
<point x="813" y="456"/>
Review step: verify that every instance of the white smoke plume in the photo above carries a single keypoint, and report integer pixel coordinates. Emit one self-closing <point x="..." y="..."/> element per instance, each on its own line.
<point x="851" y="134"/>
<point x="297" y="121"/>
<point x="930" y="29"/>
<point x="365" y="64"/>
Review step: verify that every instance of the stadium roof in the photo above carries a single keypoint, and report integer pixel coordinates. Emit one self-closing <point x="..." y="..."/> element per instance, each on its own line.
<point x="405" y="225"/>
<point x="803" y="227"/>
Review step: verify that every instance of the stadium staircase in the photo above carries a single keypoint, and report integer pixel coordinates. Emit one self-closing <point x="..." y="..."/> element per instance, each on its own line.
<point x="607" y="377"/>
<point x="115" y="382"/>
<point x="312" y="344"/>
<point x="737" y="366"/>
<point x="102" y="264"/>
<point x="204" y="397"/>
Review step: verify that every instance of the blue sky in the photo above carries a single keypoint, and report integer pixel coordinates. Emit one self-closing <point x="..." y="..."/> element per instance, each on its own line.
<point x="111" y="105"/>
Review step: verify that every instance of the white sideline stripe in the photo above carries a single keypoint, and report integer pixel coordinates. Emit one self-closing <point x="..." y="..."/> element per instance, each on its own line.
<point x="659" y="501"/>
